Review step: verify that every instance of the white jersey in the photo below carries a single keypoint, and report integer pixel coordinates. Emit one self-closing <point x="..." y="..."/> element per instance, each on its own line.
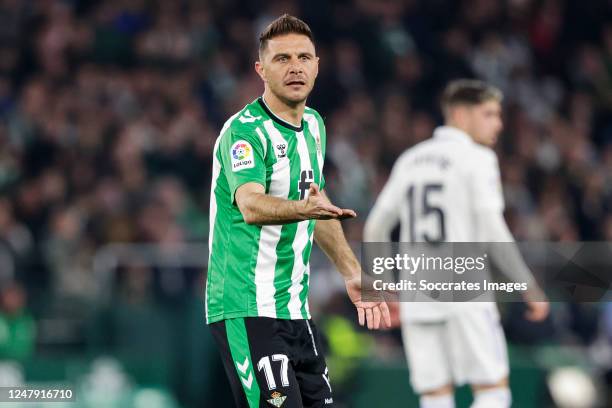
<point x="435" y="191"/>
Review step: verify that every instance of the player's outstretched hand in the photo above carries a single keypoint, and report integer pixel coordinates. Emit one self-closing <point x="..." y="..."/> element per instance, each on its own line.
<point x="316" y="206"/>
<point x="375" y="314"/>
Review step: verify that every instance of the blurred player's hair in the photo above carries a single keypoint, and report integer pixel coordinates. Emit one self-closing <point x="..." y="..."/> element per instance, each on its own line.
<point x="285" y="24"/>
<point x="468" y="92"/>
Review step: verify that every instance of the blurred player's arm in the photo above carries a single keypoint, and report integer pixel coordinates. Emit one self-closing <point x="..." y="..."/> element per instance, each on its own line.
<point x="329" y="236"/>
<point x="508" y="259"/>
<point x="492" y="229"/>
<point x="259" y="208"/>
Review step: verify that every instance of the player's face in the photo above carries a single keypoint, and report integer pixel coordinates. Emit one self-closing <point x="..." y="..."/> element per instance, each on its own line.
<point x="485" y="122"/>
<point x="289" y="67"/>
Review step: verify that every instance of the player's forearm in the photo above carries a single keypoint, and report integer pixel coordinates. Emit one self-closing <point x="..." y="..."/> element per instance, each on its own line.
<point x="328" y="234"/>
<point x="263" y="209"/>
<point x="505" y="256"/>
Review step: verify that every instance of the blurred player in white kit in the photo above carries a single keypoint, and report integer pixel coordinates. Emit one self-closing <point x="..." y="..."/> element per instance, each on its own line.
<point x="448" y="189"/>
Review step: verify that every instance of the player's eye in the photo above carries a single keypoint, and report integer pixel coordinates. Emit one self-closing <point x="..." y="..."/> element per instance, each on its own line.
<point x="282" y="59"/>
<point x="304" y="57"/>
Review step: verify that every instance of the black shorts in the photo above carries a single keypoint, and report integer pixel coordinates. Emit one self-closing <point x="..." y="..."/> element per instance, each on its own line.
<point x="273" y="362"/>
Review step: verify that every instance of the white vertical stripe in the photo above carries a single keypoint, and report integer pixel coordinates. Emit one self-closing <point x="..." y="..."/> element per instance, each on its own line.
<point x="264" y="143"/>
<point x="270" y="234"/>
<point x="216" y="170"/>
<point x="314" y="346"/>
<point x="300" y="241"/>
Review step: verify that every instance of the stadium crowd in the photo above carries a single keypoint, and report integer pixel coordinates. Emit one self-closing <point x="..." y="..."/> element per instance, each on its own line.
<point x="109" y="111"/>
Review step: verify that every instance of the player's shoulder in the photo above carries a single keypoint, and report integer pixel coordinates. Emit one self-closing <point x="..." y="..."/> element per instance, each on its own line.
<point x="483" y="153"/>
<point x="246" y="119"/>
<point x="243" y="126"/>
<point x="308" y="111"/>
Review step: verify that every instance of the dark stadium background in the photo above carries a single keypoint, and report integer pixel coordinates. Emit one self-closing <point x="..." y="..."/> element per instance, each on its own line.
<point x="108" y="115"/>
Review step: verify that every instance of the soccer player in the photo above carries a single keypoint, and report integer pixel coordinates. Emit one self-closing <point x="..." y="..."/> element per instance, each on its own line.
<point x="267" y="204"/>
<point x="448" y="188"/>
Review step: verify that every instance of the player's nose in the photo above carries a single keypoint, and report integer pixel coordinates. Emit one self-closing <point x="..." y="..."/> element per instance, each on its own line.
<point x="295" y="68"/>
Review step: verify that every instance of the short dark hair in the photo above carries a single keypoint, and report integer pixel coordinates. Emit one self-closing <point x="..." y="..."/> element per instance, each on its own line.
<point x="468" y="92"/>
<point x="285" y="24"/>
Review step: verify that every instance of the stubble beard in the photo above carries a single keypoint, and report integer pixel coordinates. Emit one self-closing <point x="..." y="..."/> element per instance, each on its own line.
<point x="291" y="102"/>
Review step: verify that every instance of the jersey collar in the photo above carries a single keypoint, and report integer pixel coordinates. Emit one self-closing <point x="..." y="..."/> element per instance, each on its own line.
<point x="278" y="120"/>
<point x="452" y="133"/>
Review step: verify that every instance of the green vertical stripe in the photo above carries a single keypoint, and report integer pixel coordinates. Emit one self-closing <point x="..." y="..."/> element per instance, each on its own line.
<point x="323" y="136"/>
<point x="241" y="355"/>
<point x="270" y="158"/>
<point x="305" y="280"/>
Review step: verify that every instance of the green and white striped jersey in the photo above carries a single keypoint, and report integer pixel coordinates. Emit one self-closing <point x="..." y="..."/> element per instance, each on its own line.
<point x="262" y="270"/>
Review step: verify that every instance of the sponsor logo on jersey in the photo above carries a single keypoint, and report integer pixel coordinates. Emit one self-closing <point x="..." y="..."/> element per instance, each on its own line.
<point x="242" y="156"/>
<point x="281" y="150"/>
<point x="277" y="399"/>
<point x="329" y="401"/>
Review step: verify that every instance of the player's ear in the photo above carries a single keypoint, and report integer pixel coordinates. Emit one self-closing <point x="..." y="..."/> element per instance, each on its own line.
<point x="259" y="68"/>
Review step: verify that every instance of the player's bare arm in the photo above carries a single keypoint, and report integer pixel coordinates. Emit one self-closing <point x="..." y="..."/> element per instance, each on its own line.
<point x="261" y="209"/>
<point x="328" y="234"/>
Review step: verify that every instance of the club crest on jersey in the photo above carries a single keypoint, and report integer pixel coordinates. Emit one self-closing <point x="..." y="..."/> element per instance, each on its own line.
<point x="242" y="155"/>
<point x="277" y="399"/>
<point x="281" y="150"/>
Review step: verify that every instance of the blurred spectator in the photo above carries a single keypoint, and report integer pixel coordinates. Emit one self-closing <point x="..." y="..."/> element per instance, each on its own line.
<point x="17" y="327"/>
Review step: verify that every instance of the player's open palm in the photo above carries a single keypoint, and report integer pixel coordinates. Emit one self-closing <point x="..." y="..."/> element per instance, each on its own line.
<point x="318" y="207"/>
<point x="374" y="314"/>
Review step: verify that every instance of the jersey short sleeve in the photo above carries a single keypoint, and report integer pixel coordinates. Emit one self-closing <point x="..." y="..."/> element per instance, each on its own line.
<point x="487" y="184"/>
<point x="242" y="157"/>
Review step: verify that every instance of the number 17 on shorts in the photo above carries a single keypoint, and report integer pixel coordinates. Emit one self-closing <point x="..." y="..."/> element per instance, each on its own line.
<point x="273" y="362"/>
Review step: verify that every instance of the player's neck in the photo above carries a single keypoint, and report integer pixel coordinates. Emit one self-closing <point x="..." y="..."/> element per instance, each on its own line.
<point x="459" y="127"/>
<point x="290" y="114"/>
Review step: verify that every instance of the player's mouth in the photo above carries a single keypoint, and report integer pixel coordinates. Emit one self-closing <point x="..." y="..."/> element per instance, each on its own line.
<point x="295" y="82"/>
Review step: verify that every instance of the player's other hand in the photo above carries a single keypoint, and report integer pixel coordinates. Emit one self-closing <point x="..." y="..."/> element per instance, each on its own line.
<point x="537" y="304"/>
<point x="316" y="206"/>
<point x="537" y="311"/>
<point x="375" y="314"/>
